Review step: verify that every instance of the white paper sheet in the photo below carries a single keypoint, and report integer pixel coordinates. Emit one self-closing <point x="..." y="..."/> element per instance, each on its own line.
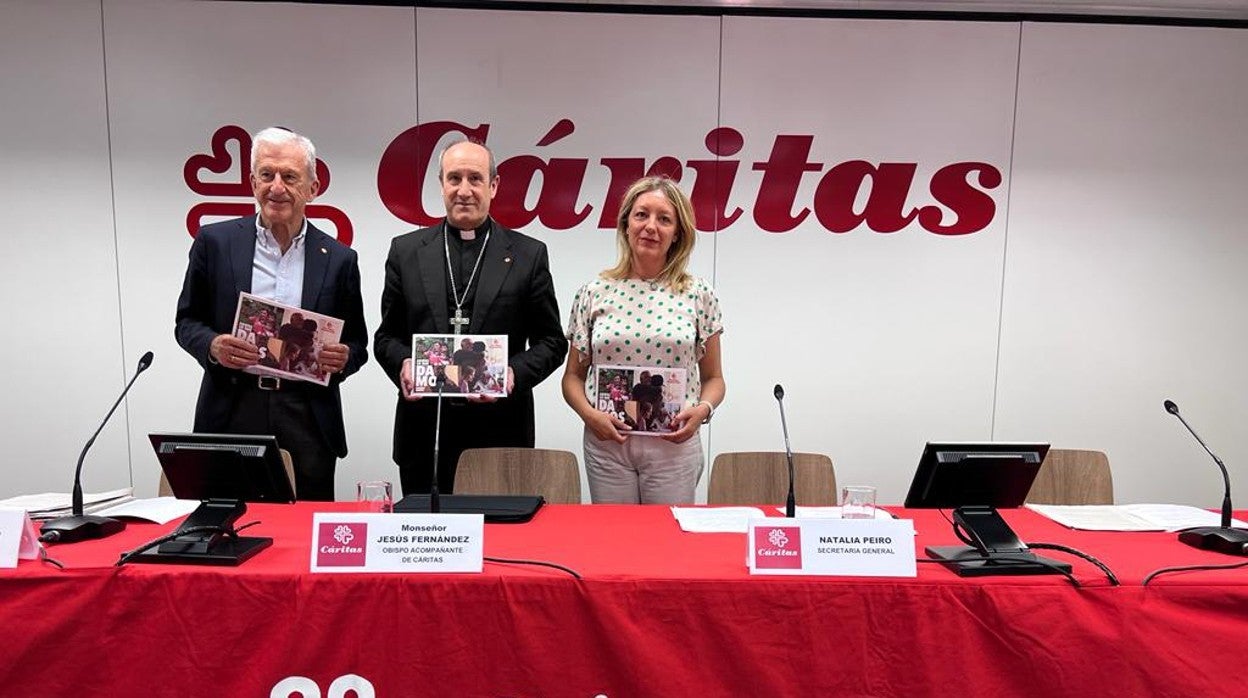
<point x="1131" y="517"/>
<point x="716" y="519"/>
<point x="159" y="510"/>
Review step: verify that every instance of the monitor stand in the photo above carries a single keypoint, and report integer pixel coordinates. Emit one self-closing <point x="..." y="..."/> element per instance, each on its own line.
<point x="970" y="562"/>
<point x="212" y="547"/>
<point x="995" y="549"/>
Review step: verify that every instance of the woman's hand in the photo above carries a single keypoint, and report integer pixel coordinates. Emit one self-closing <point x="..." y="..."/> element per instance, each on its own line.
<point x="606" y="427"/>
<point x="690" y="420"/>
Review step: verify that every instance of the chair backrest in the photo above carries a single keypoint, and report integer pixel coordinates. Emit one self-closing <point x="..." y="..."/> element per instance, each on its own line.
<point x="556" y="475"/>
<point x="1071" y="476"/>
<point x="763" y="478"/>
<point x="164" y="490"/>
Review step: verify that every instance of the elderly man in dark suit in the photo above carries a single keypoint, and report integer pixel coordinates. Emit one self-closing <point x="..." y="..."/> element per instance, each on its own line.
<point x="280" y="256"/>
<point x="466" y="275"/>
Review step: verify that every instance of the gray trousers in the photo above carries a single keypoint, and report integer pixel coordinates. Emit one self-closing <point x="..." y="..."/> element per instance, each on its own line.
<point x="643" y="470"/>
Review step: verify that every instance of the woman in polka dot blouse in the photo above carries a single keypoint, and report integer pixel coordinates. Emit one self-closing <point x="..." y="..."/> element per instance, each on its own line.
<point x="646" y="311"/>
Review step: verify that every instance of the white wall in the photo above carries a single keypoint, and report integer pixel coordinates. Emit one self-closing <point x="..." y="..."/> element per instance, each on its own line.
<point x="1126" y="253"/>
<point x="1103" y="283"/>
<point x="62" y="351"/>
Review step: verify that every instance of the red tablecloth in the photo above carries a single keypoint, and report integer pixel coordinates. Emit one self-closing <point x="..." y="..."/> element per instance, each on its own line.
<point x="658" y="613"/>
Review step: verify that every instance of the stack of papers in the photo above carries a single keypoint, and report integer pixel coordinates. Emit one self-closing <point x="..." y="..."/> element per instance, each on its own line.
<point x="1131" y="517"/>
<point x="50" y="505"/>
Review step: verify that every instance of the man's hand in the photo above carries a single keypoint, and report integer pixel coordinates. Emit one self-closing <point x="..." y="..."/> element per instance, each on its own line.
<point x="409" y="385"/>
<point x="334" y="357"/>
<point x="511" y="385"/>
<point x="233" y="352"/>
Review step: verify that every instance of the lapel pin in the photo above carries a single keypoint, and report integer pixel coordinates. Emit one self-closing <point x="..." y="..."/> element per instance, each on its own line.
<point x="324" y="251"/>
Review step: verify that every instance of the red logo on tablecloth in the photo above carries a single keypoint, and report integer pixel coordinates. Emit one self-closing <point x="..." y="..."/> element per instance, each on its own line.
<point x="221" y="162"/>
<point x="778" y="547"/>
<point x="342" y="544"/>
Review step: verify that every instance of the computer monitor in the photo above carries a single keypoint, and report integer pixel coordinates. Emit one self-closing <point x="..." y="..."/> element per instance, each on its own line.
<point x="243" y="467"/>
<point x="952" y="474"/>
<point x="223" y="471"/>
<point x="974" y="479"/>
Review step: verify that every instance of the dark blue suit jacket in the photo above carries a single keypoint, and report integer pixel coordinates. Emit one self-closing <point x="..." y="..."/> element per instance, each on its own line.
<point x="219" y="269"/>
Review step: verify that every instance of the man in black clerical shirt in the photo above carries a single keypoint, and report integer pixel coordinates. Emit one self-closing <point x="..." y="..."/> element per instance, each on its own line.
<point x="466" y="275"/>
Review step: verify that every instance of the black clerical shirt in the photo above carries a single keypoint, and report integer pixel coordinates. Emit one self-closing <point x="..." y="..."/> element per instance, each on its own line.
<point x="464" y="254"/>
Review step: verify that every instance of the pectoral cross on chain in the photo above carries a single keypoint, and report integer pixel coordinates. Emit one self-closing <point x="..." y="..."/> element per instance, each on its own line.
<point x="459" y="322"/>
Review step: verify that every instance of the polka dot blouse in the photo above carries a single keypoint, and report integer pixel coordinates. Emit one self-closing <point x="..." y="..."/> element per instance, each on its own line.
<point x="638" y="323"/>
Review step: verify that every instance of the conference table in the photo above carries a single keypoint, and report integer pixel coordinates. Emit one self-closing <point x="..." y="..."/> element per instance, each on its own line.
<point x="656" y="612"/>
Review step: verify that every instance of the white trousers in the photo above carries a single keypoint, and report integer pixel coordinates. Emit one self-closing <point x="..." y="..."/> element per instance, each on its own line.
<point x="643" y="470"/>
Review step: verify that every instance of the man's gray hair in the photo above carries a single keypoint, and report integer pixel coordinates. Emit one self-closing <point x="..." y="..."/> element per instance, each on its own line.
<point x="278" y="135"/>
<point x="489" y="153"/>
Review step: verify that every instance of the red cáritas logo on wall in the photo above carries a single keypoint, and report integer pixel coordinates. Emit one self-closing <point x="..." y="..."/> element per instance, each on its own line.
<point x="884" y="197"/>
<point x="960" y="202"/>
<point x="225" y="141"/>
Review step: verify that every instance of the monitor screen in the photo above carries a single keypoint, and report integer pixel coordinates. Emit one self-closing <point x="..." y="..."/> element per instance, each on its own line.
<point x="223" y="466"/>
<point x="952" y="475"/>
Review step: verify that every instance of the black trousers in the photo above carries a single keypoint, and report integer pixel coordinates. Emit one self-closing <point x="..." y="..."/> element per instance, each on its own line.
<point x="287" y="415"/>
<point x="464" y="425"/>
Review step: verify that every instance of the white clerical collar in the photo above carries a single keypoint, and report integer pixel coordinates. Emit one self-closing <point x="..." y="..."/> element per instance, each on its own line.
<point x="472" y="233"/>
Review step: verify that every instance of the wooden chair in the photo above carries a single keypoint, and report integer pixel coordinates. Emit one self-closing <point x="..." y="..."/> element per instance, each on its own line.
<point x="1073" y="477"/>
<point x="164" y="490"/>
<point x="556" y="475"/>
<point x="763" y="478"/>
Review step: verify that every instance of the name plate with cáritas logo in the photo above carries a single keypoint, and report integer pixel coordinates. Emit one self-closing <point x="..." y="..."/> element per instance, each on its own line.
<point x="360" y="542"/>
<point x="832" y="547"/>
<point x="18" y="540"/>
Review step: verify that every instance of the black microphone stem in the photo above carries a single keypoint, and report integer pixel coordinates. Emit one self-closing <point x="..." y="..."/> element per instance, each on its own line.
<point x="77" y="495"/>
<point x="790" y="504"/>
<point x="435" y="502"/>
<point x="1226" y="478"/>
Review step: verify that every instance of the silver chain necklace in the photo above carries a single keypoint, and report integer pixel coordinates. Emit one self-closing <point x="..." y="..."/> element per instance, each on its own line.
<point x="459" y="322"/>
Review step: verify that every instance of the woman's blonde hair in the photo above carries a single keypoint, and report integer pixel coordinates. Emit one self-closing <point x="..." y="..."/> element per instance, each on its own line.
<point x="673" y="274"/>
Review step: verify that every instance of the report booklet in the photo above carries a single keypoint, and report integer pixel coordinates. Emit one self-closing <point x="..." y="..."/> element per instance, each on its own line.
<point x="646" y="398"/>
<point x="289" y="339"/>
<point x="472" y="364"/>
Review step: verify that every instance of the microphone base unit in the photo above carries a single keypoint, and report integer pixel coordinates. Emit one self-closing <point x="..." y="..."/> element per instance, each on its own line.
<point x="1231" y="541"/>
<point x="970" y="562"/>
<point x="69" y="529"/>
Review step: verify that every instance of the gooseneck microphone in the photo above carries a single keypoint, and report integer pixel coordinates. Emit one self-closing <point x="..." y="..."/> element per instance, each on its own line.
<point x="790" y="504"/>
<point x="435" y="501"/>
<point x="77" y="526"/>
<point x="1222" y="538"/>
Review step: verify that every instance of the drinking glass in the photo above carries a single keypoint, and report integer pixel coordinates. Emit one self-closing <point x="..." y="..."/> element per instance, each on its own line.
<point x="857" y="502"/>
<point x="374" y="496"/>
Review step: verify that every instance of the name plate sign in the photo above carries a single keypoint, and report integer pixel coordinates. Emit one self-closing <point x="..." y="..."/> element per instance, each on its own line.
<point x="18" y="540"/>
<point x="360" y="542"/>
<point x="833" y="547"/>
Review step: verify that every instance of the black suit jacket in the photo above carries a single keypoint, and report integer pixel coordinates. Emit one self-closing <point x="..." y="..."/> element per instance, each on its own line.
<point x="219" y="269"/>
<point x="516" y="297"/>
